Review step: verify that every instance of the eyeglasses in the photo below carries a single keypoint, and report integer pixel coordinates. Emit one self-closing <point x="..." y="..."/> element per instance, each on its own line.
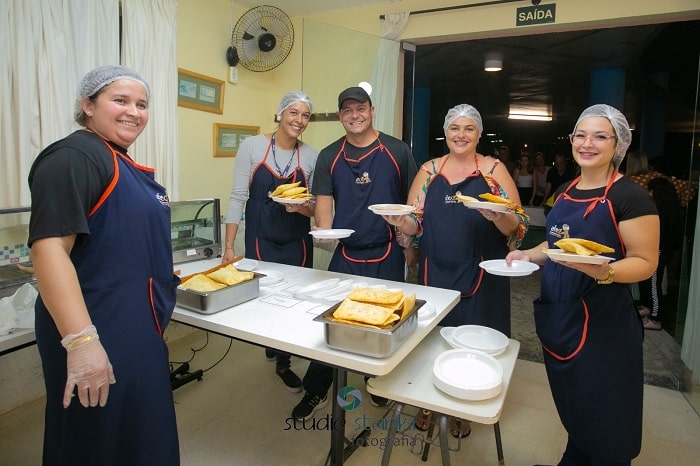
<point x="579" y="138"/>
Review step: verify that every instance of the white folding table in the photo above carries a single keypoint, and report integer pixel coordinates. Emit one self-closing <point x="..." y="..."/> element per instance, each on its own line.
<point x="411" y="383"/>
<point x="276" y="319"/>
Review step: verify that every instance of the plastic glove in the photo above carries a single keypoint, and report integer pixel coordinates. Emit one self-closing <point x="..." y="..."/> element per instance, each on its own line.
<point x="88" y="368"/>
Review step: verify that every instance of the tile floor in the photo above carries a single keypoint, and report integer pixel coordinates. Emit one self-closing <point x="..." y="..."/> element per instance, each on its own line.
<point x="237" y="415"/>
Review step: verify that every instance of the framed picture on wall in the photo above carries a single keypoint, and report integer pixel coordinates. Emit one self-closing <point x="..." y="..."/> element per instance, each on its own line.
<point x="199" y="92"/>
<point x="228" y="138"/>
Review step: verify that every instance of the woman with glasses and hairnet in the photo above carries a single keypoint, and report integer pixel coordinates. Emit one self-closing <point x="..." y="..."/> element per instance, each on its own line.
<point x="99" y="234"/>
<point x="585" y="317"/>
<point x="456" y="239"/>
<point x="274" y="232"/>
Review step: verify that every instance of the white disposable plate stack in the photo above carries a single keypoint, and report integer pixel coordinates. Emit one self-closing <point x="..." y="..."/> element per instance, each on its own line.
<point x="468" y="375"/>
<point x="477" y="338"/>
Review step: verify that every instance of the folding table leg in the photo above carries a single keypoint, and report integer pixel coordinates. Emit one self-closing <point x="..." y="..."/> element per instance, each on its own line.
<point x="391" y="434"/>
<point x="444" y="446"/>
<point x="499" y="445"/>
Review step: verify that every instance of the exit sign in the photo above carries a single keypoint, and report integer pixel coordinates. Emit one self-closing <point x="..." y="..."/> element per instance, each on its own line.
<point x="530" y="15"/>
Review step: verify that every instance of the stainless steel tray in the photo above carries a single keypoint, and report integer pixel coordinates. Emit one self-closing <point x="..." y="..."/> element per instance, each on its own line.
<point x="214" y="301"/>
<point x="376" y="343"/>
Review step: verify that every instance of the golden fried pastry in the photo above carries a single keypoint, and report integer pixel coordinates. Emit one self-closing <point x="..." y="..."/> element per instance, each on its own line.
<point x="202" y="283"/>
<point x="582" y="247"/>
<point x="230" y="275"/>
<point x="376" y="295"/>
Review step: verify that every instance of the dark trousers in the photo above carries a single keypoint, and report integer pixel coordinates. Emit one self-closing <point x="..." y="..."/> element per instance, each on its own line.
<point x="318" y="378"/>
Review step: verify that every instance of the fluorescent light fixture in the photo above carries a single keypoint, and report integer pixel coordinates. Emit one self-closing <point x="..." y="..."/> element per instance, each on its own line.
<point x="534" y="113"/>
<point x="493" y="61"/>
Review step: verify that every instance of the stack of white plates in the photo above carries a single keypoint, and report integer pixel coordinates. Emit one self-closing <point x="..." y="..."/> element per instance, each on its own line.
<point x="477" y="338"/>
<point x="468" y="375"/>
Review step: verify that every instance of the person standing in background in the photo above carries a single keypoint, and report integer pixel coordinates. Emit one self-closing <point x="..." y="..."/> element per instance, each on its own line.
<point x="274" y="232"/>
<point x="524" y="179"/>
<point x="539" y="180"/>
<point x="362" y="168"/>
<point x="585" y="316"/>
<point x="99" y="234"/>
<point x="558" y="175"/>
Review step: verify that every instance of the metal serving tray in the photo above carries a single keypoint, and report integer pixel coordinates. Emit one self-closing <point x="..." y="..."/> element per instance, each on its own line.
<point x="376" y="343"/>
<point x="210" y="302"/>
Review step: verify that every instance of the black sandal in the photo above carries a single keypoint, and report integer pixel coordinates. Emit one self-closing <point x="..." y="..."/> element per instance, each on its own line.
<point x="460" y="428"/>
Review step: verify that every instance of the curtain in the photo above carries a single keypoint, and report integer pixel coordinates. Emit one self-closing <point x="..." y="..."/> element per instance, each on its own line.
<point x="385" y="73"/>
<point x="47" y="46"/>
<point x="153" y="22"/>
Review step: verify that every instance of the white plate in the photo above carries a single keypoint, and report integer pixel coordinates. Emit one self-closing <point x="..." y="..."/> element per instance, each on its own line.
<point x="333" y="233"/>
<point x="494" y="206"/>
<point x="391" y="209"/>
<point x="479" y="338"/>
<point x="285" y="200"/>
<point x="558" y="254"/>
<point x="317" y="287"/>
<point x="446" y="334"/>
<point x="516" y="269"/>
<point x="340" y="287"/>
<point x="246" y="264"/>
<point x="467" y="374"/>
<point x="271" y="277"/>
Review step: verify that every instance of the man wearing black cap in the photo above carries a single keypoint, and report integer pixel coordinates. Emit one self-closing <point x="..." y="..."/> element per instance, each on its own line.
<point x="362" y="168"/>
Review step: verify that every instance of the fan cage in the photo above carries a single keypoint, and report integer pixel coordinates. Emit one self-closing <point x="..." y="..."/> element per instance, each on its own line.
<point x="256" y="24"/>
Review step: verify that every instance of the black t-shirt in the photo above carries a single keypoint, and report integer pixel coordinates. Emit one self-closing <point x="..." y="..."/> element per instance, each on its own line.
<point x="323" y="184"/>
<point x="66" y="180"/>
<point x="556" y="179"/>
<point x="629" y="200"/>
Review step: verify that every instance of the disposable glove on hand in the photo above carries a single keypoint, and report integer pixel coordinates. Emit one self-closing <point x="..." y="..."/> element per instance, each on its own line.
<point x="88" y="368"/>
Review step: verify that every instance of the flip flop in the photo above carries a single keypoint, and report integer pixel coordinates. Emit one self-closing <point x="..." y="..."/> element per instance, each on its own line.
<point x="423" y="419"/>
<point x="460" y="428"/>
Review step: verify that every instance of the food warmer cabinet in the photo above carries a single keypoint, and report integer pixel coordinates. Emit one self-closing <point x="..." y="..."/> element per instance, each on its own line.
<point x="195" y="229"/>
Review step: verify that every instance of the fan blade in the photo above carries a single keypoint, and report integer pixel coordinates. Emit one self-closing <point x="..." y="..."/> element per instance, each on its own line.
<point x="250" y="49"/>
<point x="254" y="29"/>
<point x="276" y="26"/>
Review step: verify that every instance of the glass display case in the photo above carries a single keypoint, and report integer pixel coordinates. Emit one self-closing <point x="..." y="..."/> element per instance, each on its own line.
<point x="15" y="265"/>
<point x="195" y="229"/>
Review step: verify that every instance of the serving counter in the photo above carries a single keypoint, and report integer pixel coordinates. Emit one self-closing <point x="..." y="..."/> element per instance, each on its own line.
<point x="278" y="319"/>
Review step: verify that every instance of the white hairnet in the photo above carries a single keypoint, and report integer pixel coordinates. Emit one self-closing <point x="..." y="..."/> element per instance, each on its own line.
<point x="100" y="77"/>
<point x="463" y="110"/>
<point x="619" y="124"/>
<point x="291" y="98"/>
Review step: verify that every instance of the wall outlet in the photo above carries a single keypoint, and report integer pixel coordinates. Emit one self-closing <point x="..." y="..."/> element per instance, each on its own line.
<point x="233" y="75"/>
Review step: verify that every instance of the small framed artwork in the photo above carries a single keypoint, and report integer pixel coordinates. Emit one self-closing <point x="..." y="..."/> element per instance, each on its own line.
<point x="228" y="138"/>
<point x="199" y="92"/>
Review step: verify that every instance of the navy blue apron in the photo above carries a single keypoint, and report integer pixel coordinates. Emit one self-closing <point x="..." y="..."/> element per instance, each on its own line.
<point x="271" y="233"/>
<point x="455" y="239"/>
<point x="592" y="338"/>
<point x="374" y="178"/>
<point x="126" y="275"/>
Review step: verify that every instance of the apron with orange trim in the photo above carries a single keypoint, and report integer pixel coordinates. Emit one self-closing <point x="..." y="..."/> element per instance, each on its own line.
<point x="271" y="233"/>
<point x="125" y="271"/>
<point x="455" y="239"/>
<point x="372" y="178"/>
<point x="592" y="338"/>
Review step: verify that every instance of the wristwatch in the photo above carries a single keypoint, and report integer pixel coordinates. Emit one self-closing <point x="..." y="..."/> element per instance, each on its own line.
<point x="609" y="278"/>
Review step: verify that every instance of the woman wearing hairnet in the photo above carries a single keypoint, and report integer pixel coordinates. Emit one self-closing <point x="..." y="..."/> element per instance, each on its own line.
<point x="585" y="317"/>
<point x="456" y="239"/>
<point x="274" y="232"/>
<point x="100" y="244"/>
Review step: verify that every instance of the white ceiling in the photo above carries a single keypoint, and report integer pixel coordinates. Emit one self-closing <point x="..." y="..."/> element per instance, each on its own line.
<point x="307" y="7"/>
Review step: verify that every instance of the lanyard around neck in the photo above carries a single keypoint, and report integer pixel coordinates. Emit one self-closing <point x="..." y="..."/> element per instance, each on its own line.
<point x="284" y="172"/>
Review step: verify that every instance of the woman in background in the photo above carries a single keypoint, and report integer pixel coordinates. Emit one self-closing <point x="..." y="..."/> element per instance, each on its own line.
<point x="523" y="176"/>
<point x="539" y="180"/>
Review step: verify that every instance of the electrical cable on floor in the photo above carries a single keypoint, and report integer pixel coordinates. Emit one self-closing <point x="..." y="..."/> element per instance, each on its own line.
<point x="196" y="350"/>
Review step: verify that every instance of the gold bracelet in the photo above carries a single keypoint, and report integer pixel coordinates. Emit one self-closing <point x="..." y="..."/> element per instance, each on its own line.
<point x="79" y="341"/>
<point x="609" y="278"/>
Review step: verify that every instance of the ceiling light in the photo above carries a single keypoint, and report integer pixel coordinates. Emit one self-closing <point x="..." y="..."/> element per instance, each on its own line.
<point x="531" y="112"/>
<point x="493" y="61"/>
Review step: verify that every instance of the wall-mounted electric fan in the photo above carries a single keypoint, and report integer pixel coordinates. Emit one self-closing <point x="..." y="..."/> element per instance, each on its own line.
<point x="261" y="39"/>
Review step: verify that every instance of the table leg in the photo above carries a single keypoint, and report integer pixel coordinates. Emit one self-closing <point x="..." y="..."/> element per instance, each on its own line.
<point x="444" y="446"/>
<point x="340" y="378"/>
<point x="499" y="445"/>
<point x="391" y="434"/>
